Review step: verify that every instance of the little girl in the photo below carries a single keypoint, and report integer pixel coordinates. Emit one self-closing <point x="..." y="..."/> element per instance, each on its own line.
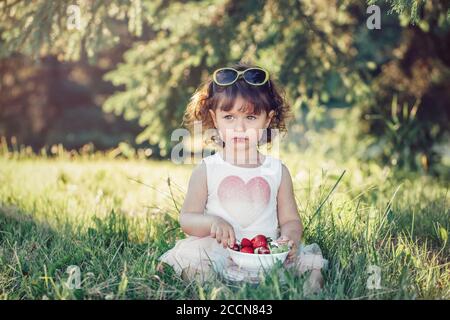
<point x="239" y="192"/>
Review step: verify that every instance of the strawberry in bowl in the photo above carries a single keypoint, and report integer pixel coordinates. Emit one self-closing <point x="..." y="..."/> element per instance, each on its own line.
<point x="258" y="252"/>
<point x="259" y="241"/>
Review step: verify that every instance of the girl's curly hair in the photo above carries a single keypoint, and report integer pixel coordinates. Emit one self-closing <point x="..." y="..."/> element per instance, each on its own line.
<point x="260" y="98"/>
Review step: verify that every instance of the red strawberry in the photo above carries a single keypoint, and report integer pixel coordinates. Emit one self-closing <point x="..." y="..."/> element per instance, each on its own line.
<point x="235" y="247"/>
<point x="262" y="250"/>
<point x="246" y="243"/>
<point x="259" y="241"/>
<point x="247" y="249"/>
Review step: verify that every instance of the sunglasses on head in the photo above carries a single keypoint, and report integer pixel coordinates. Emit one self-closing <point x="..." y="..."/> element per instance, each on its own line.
<point x="253" y="76"/>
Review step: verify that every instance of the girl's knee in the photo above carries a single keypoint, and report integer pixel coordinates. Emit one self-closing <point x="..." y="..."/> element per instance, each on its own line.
<point x="314" y="283"/>
<point x="190" y="274"/>
<point x="316" y="274"/>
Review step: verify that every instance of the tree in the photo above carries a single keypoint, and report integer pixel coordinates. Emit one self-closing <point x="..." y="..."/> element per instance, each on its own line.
<point x="320" y="51"/>
<point x="408" y="110"/>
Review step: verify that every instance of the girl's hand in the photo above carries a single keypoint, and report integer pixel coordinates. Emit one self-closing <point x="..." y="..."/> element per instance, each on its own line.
<point x="293" y="251"/>
<point x="223" y="232"/>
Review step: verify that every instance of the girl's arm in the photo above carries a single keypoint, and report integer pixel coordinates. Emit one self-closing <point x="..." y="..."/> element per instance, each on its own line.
<point x="192" y="219"/>
<point x="291" y="227"/>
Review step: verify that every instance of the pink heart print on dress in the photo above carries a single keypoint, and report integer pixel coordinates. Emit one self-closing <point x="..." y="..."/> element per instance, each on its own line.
<point x="244" y="201"/>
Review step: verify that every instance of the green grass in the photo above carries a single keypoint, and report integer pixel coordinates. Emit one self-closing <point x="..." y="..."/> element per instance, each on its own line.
<point x="113" y="218"/>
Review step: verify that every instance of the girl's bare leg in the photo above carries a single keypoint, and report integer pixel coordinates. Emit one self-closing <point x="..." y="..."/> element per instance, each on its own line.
<point x="314" y="283"/>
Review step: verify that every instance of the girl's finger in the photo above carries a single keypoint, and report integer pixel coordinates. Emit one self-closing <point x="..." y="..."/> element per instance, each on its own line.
<point x="232" y="238"/>
<point x="289" y="259"/>
<point x="290" y="256"/>
<point x="219" y="235"/>
<point x="213" y="231"/>
<point x="293" y="253"/>
<point x="225" y="238"/>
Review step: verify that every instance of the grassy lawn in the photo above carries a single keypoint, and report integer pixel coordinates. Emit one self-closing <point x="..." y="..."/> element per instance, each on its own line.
<point x="113" y="218"/>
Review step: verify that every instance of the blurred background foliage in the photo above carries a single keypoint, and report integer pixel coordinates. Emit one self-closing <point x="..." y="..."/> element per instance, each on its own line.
<point x="123" y="76"/>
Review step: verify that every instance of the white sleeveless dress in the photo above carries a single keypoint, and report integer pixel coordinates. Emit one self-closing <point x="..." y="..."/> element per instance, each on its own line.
<point x="247" y="199"/>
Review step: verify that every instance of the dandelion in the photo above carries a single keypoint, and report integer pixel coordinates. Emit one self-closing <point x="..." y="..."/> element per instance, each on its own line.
<point x="99" y="196"/>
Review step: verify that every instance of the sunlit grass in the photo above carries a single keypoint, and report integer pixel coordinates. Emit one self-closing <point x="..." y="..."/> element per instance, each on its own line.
<point x="113" y="218"/>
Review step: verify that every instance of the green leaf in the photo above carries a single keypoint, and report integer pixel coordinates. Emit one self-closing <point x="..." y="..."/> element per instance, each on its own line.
<point x="443" y="234"/>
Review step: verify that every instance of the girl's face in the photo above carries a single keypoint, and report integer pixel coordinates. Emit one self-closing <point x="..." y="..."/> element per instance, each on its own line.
<point x="241" y="130"/>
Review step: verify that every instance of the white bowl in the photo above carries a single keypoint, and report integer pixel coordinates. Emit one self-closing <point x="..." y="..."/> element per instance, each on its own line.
<point x="253" y="261"/>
